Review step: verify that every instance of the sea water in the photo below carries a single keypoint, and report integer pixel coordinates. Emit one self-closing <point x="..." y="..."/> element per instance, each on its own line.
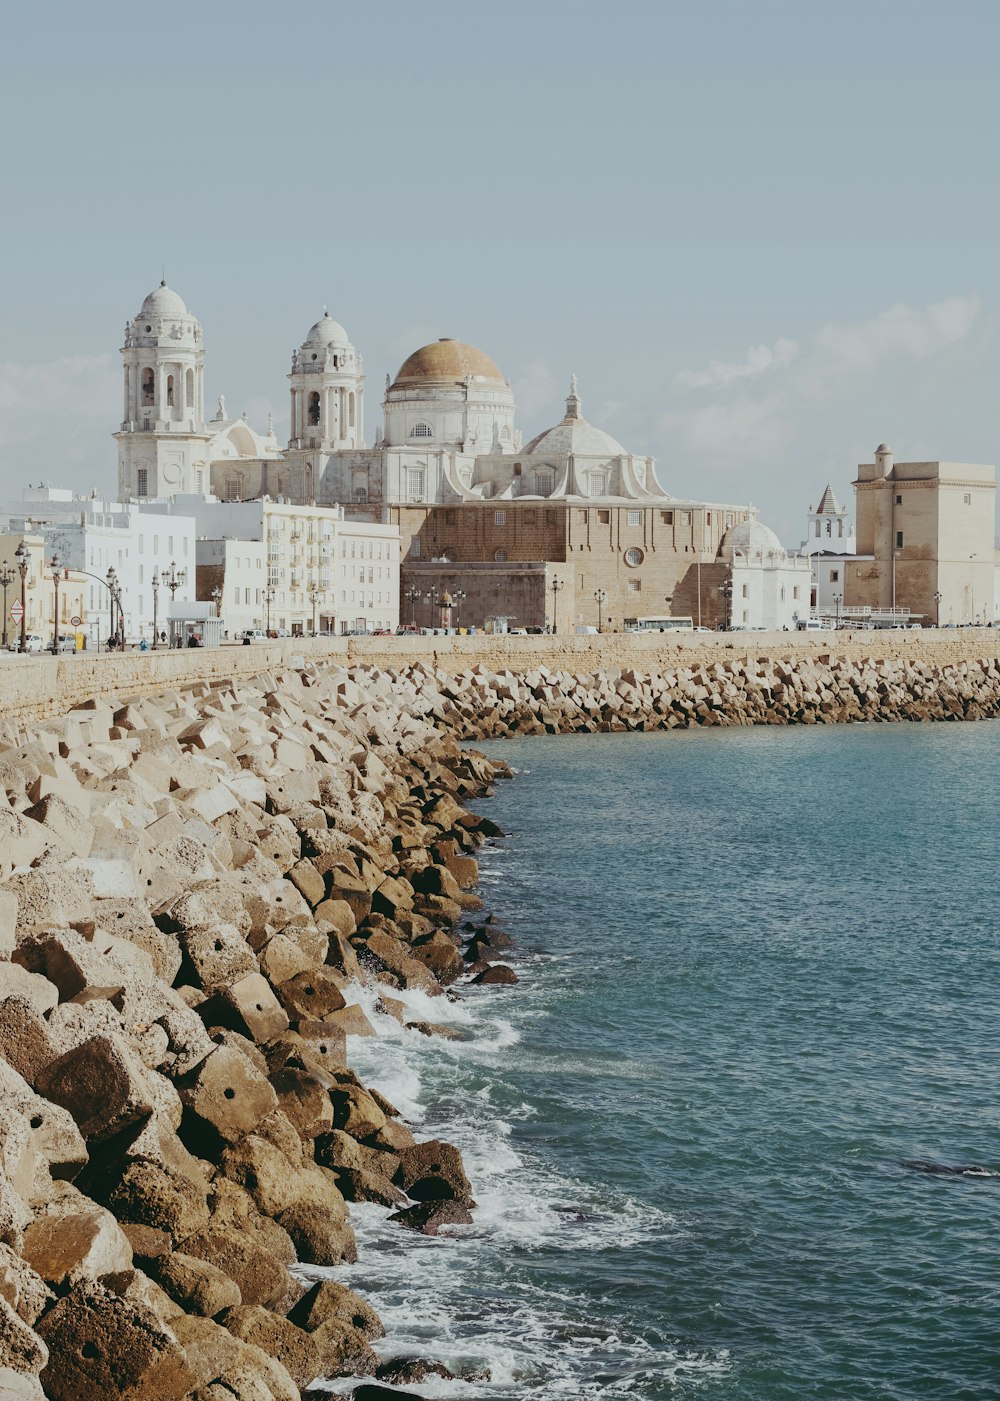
<point x="758" y="1014"/>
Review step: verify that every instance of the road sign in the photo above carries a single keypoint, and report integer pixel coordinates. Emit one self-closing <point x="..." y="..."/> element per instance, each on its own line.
<point x="16" y="610"/>
<point x="75" y="621"/>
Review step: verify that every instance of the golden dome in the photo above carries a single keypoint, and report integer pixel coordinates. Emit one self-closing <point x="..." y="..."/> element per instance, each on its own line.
<point x="446" y="361"/>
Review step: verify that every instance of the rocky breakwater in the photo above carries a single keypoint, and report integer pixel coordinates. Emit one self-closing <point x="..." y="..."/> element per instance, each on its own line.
<point x="479" y="702"/>
<point x="192" y="889"/>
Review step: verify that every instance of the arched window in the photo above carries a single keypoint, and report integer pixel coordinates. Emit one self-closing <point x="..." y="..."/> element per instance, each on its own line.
<point x="148" y="384"/>
<point x="170" y="391"/>
<point x="543" y="483"/>
<point x="500" y="556"/>
<point x="313" y="410"/>
<point x="422" y="430"/>
<point x="361" y="493"/>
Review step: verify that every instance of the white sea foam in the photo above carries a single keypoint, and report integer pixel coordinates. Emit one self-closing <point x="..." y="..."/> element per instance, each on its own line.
<point x="471" y="1298"/>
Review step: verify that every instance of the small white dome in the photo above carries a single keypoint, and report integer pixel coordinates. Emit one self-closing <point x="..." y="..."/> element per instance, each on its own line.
<point x="327" y="332"/>
<point x="163" y="301"/>
<point x="882" y="447"/>
<point x="751" y="539"/>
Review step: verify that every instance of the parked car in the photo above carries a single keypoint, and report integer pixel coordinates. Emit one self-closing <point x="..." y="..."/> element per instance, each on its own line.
<point x="32" y="642"/>
<point x="66" y="642"/>
<point x="251" y="635"/>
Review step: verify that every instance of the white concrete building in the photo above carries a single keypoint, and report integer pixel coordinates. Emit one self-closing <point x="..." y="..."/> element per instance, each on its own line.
<point x="313" y="569"/>
<point x="92" y="536"/>
<point x="770" y="588"/>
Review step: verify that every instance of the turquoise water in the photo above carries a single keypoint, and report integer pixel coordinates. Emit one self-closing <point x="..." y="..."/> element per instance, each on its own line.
<point x="759" y="974"/>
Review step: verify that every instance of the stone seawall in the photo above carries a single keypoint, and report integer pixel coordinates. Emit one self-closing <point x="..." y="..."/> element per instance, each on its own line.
<point x="39" y="687"/>
<point x="478" y="703"/>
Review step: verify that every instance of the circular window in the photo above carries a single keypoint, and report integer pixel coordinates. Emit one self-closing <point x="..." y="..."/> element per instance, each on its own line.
<point x="633" y="556"/>
<point x="500" y="556"/>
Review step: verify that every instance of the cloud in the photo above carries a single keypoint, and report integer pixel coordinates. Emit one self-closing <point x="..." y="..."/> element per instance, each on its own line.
<point x="785" y="418"/>
<point x="759" y="359"/>
<point x="898" y="331"/>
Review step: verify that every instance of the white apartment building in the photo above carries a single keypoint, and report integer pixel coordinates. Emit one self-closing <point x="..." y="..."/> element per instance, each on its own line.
<point x="92" y="536"/>
<point x="313" y="570"/>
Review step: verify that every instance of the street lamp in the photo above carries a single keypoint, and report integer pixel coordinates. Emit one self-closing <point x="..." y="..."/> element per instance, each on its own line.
<point x="155" y="581"/>
<point x="601" y="599"/>
<point x="555" y="586"/>
<point x="117" y="629"/>
<point x="6" y="579"/>
<point x="314" y="592"/>
<point x="937" y="608"/>
<point x="836" y="598"/>
<point x="412" y="595"/>
<point x="58" y="572"/>
<point x="726" y="589"/>
<point x="458" y="598"/>
<point x="268" y="600"/>
<point x="22" y="556"/>
<point x="173" y="581"/>
<point x="972" y="588"/>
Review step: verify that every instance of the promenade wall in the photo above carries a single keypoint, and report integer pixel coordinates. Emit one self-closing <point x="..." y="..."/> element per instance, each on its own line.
<point x="38" y="687"/>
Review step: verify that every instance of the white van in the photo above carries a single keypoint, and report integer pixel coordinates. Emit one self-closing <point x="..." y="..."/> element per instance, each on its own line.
<point x="813" y="625"/>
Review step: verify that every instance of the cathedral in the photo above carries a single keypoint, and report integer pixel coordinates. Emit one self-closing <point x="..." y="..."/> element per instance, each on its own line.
<point x="503" y="523"/>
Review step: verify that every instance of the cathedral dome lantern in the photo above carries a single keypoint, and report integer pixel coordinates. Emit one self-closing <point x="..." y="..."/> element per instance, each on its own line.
<point x="327" y="390"/>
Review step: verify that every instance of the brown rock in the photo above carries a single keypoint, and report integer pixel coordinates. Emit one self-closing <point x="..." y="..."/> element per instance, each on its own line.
<point x="196" y="1285"/>
<point x="278" y="1337"/>
<point x="339" y="914"/>
<point x="319" y="1234"/>
<point x="360" y="1185"/>
<point x="305" y="1101"/>
<point x="496" y="974"/>
<point x="430" y="1217"/>
<point x="308" y="882"/>
<point x="101" y="1084"/>
<point x="313" y="995"/>
<point x="149" y="1195"/>
<point x="351" y="1020"/>
<point x="248" y="1006"/>
<point x="355" y="1111"/>
<point x="79" y="1245"/>
<point x="22" y="1287"/>
<point x="102" y="1346"/>
<point x="146" y="1241"/>
<point x="226" y="1367"/>
<point x="434" y="1171"/>
<point x="226" y="1091"/>
<point x="261" y="1278"/>
<point x="26" y="1042"/>
<point x="215" y="957"/>
<point x="21" y="1349"/>
<point x="440" y="955"/>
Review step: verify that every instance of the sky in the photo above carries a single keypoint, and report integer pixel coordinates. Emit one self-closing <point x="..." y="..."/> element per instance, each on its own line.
<point x="762" y="234"/>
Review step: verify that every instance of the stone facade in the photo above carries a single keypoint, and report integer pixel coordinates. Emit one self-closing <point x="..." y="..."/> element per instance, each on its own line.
<point x="647" y="559"/>
<point x="924" y="528"/>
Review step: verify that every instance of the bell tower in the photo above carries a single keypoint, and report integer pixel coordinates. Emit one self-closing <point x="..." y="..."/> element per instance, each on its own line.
<point x="328" y="390"/>
<point x="162" y="442"/>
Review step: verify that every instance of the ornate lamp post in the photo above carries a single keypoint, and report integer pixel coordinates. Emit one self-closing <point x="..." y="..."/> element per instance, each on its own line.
<point x="173" y="581"/>
<point x="555" y="586"/>
<point x="937" y="608"/>
<point x="458" y="598"/>
<point x="155" y="581"/>
<point x="314" y="592"/>
<point x="601" y="598"/>
<point x="412" y="595"/>
<point x="6" y="579"/>
<point x="117" y="629"/>
<point x="726" y="589"/>
<point x="268" y="600"/>
<point x="836" y="598"/>
<point x="22" y="555"/>
<point x="58" y="572"/>
<point x="217" y="600"/>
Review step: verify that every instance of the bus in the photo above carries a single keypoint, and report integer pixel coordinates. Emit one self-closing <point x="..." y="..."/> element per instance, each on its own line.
<point x="660" y="624"/>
